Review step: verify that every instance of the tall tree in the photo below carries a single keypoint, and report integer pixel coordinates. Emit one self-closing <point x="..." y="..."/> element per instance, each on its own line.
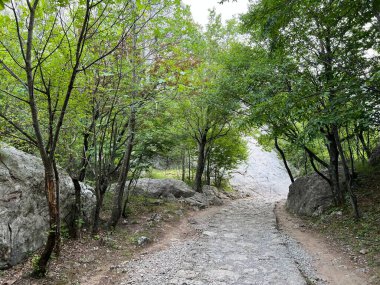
<point x="51" y="34"/>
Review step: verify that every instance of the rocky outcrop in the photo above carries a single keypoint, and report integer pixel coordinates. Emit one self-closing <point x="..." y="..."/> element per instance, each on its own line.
<point x="23" y="206"/>
<point x="309" y="195"/>
<point x="176" y="190"/>
<point x="210" y="196"/>
<point x="162" y="188"/>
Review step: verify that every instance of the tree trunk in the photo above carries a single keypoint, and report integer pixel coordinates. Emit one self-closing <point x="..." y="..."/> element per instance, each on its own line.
<point x="208" y="171"/>
<point x="58" y="219"/>
<point x="183" y="165"/>
<point x="119" y="191"/>
<point x="334" y="168"/>
<point x="352" y="160"/>
<point x="283" y="159"/>
<point x="98" y="207"/>
<point x="50" y="185"/>
<point x="365" y="147"/>
<point x="319" y="172"/>
<point x="75" y="230"/>
<point x="189" y="162"/>
<point x="200" y="163"/>
<point x="100" y="190"/>
<point x="347" y="175"/>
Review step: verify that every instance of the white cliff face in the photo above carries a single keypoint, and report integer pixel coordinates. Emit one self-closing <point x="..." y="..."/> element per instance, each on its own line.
<point x="262" y="176"/>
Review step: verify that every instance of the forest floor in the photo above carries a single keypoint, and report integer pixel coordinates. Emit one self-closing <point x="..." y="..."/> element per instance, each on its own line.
<point x="251" y="240"/>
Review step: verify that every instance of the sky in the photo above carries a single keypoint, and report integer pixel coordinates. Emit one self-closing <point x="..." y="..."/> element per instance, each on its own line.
<point x="199" y="9"/>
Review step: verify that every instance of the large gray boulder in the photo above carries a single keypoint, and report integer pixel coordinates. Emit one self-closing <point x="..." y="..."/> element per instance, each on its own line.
<point x="309" y="195"/>
<point x="210" y="196"/>
<point x="23" y="206"/>
<point x="162" y="188"/>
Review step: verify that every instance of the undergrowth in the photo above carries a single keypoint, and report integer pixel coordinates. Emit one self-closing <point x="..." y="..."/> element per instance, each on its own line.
<point x="360" y="237"/>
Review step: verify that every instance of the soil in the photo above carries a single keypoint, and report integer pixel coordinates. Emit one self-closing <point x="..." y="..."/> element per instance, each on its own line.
<point x="331" y="262"/>
<point x="96" y="260"/>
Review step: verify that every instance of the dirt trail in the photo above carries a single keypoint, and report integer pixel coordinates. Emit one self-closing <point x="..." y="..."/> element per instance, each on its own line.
<point x="240" y="243"/>
<point x="234" y="244"/>
<point x="331" y="264"/>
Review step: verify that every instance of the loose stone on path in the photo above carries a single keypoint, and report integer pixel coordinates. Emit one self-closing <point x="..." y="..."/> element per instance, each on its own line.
<point x="242" y="247"/>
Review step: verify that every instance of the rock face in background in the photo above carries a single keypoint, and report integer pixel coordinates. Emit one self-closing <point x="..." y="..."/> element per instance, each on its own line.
<point x="309" y="195"/>
<point x="262" y="176"/>
<point x="162" y="188"/>
<point x="23" y="205"/>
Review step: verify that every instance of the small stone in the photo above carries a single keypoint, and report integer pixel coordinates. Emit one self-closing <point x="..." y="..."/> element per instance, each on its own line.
<point x="209" y="234"/>
<point x="141" y="241"/>
<point x="364" y="251"/>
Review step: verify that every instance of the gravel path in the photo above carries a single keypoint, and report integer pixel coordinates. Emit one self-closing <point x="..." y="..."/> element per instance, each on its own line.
<point x="239" y="244"/>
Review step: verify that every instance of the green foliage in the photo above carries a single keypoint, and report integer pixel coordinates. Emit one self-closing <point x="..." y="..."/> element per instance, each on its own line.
<point x="164" y="174"/>
<point x="35" y="263"/>
<point x="305" y="69"/>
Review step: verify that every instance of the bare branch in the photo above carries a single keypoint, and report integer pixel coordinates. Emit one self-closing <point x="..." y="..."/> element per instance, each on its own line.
<point x="14" y="96"/>
<point x="18" y="128"/>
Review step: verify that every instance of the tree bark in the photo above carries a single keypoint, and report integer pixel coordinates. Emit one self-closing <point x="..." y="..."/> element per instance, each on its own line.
<point x="208" y="171"/>
<point x="365" y="147"/>
<point x="334" y="168"/>
<point x="189" y="163"/>
<point x="284" y="159"/>
<point x="50" y="185"/>
<point x="77" y="216"/>
<point x="183" y="156"/>
<point x="119" y="191"/>
<point x="200" y="162"/>
<point x="319" y="172"/>
<point x="347" y="175"/>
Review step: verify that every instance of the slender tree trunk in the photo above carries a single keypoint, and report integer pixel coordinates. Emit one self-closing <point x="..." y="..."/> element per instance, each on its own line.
<point x="283" y="159"/>
<point x="50" y="179"/>
<point x="183" y="165"/>
<point x="200" y="163"/>
<point x="189" y="162"/>
<point x="364" y="144"/>
<point x="98" y="206"/>
<point x="50" y="186"/>
<point x="352" y="159"/>
<point x="119" y="191"/>
<point x="334" y="168"/>
<point x="75" y="231"/>
<point x="208" y="171"/>
<point x="58" y="218"/>
<point x="319" y="172"/>
<point x="347" y="175"/>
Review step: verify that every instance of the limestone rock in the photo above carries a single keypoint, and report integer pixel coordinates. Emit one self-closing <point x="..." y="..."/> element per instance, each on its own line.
<point x="198" y="200"/>
<point x="213" y="195"/>
<point x="309" y="195"/>
<point x="163" y="188"/>
<point x="23" y="206"/>
<point x="210" y="196"/>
